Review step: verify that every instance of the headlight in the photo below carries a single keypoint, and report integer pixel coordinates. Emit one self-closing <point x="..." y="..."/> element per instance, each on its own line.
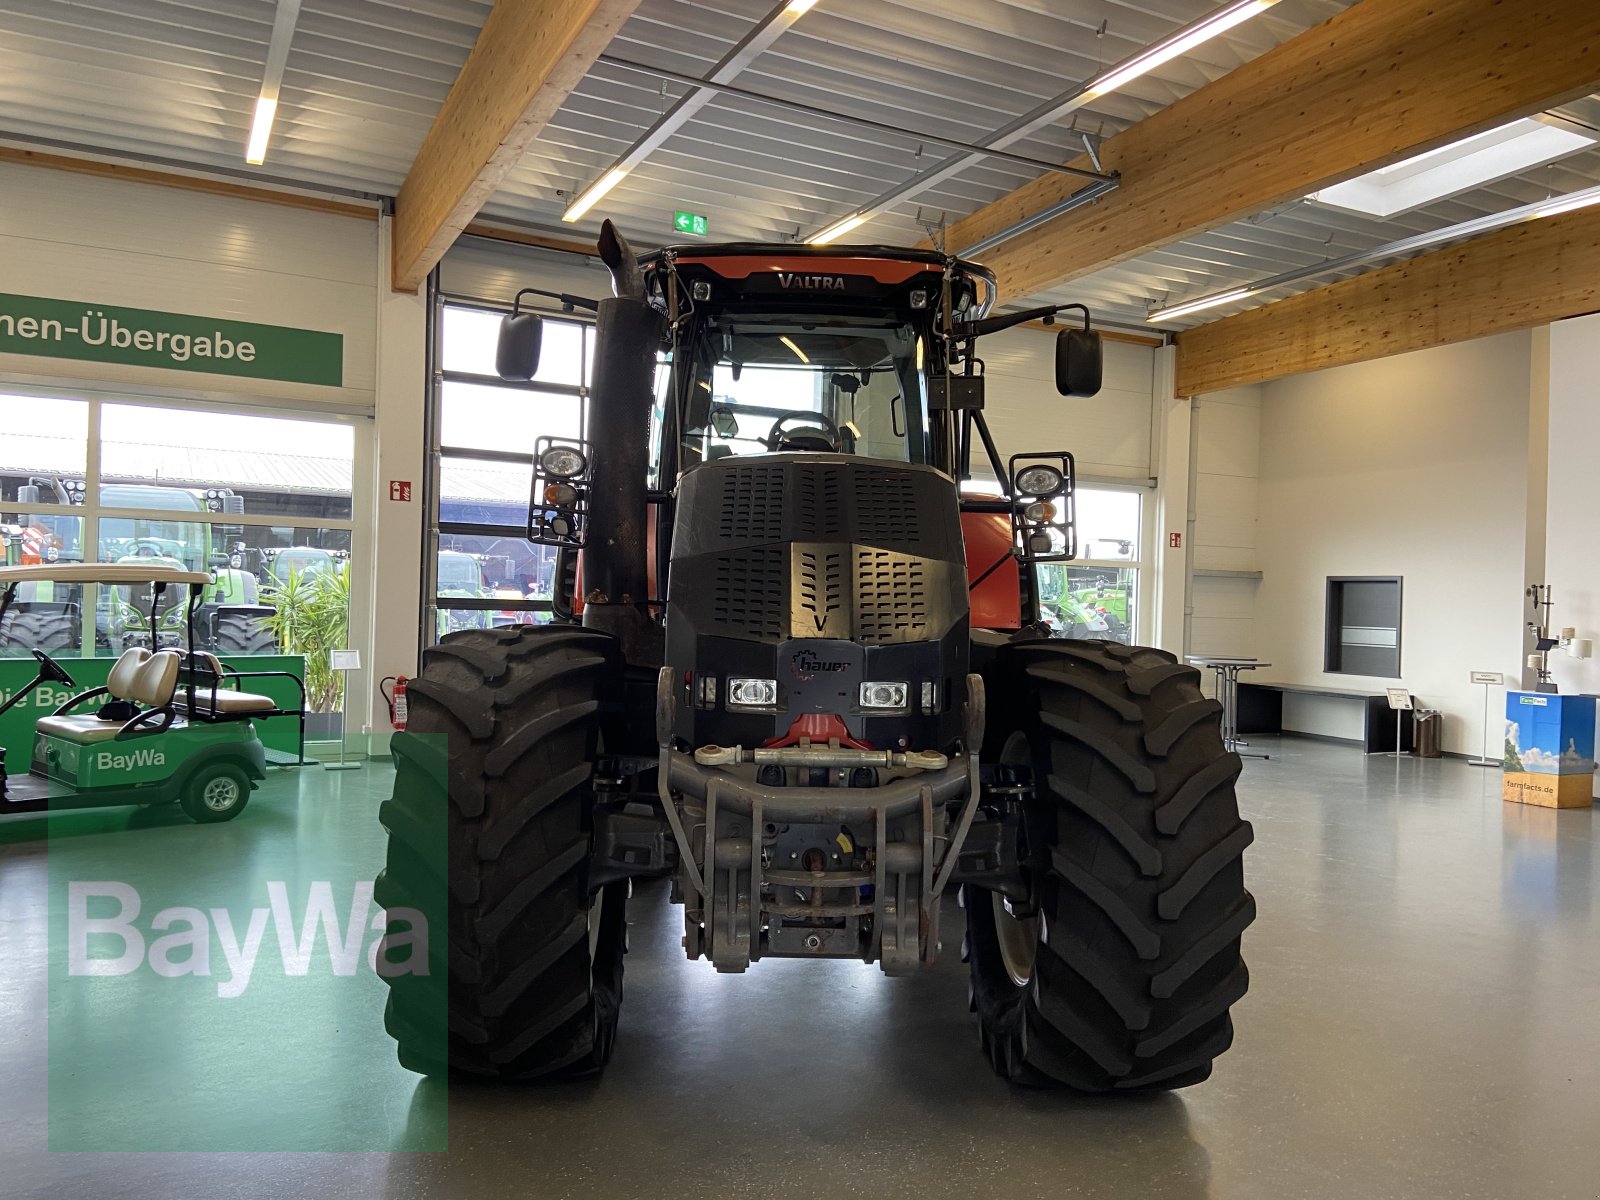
<point x="884" y="695"/>
<point x="563" y="462"/>
<point x="1039" y="481"/>
<point x="752" y="693"/>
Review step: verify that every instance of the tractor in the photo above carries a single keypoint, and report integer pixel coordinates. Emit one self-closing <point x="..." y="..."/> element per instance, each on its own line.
<point x="805" y="679"/>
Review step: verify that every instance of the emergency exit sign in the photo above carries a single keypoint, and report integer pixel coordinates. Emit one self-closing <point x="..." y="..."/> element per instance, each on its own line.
<point x="685" y="222"/>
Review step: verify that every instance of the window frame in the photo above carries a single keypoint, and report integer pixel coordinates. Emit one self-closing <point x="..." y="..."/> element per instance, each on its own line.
<point x="438" y="453"/>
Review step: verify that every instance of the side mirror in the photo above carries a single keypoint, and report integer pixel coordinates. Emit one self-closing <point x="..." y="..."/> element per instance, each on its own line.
<point x="723" y="422"/>
<point x="1078" y="362"/>
<point x="516" y="354"/>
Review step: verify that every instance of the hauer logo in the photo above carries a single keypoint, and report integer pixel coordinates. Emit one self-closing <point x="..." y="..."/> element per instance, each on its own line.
<point x="805" y="664"/>
<point x="107" y="761"/>
<point x="816" y="283"/>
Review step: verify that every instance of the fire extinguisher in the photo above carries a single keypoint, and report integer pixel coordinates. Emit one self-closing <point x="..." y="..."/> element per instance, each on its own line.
<point x="396" y="699"/>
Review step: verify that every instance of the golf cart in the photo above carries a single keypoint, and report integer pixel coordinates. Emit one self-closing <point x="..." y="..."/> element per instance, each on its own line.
<point x="169" y="726"/>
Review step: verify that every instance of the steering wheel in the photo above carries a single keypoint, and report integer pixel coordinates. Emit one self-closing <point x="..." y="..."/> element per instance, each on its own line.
<point x="817" y="421"/>
<point x="50" y="669"/>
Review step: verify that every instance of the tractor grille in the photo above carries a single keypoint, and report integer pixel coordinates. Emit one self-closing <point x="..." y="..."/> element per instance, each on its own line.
<point x="752" y="504"/>
<point x="891" y="596"/>
<point x="750" y="592"/>
<point x="818" y="510"/>
<point x="821" y="584"/>
<point x="886" y="506"/>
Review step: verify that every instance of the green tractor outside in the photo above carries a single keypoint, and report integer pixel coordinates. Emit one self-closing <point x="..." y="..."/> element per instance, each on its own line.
<point x="47" y="615"/>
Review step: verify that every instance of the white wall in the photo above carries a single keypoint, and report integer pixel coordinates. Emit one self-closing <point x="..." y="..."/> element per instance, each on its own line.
<point x="76" y="237"/>
<point x="1227" y="429"/>
<point x="1572" y="563"/>
<point x="1415" y="466"/>
<point x="1109" y="434"/>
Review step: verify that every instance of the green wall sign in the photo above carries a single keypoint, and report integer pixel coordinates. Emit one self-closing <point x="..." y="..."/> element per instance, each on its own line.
<point x="687" y="222"/>
<point x="147" y="338"/>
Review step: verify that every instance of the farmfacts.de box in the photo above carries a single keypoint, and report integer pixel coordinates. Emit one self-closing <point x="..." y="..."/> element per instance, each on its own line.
<point x="1549" y="750"/>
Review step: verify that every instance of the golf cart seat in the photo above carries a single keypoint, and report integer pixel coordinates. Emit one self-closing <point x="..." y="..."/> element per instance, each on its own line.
<point x="212" y="698"/>
<point x="148" y="681"/>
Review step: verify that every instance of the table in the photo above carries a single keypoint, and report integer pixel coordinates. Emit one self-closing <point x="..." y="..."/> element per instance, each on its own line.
<point x="1227" y="670"/>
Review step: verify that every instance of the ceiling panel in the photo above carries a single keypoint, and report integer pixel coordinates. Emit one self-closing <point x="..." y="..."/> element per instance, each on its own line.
<point x="177" y="80"/>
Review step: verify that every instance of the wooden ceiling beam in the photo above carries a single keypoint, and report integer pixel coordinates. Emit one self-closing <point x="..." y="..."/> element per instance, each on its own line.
<point x="529" y="56"/>
<point x="1379" y="82"/>
<point x="1530" y="274"/>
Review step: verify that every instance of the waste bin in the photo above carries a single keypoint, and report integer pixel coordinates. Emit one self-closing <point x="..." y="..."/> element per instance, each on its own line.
<point x="1425" y="724"/>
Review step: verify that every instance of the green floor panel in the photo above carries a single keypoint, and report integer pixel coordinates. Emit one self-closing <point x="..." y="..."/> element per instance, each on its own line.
<point x="214" y="987"/>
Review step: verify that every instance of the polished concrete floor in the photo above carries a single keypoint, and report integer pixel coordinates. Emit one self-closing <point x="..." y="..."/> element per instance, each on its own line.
<point x="1424" y="1021"/>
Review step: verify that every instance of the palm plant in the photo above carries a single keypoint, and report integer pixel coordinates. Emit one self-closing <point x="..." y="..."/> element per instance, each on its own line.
<point x="312" y="618"/>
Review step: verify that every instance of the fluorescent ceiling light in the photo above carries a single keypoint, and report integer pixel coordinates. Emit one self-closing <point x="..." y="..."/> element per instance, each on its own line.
<point x="838" y="229"/>
<point x="1458" y="167"/>
<point x="1577" y="200"/>
<point x="283" y="19"/>
<point x="700" y="93"/>
<point x="595" y="191"/>
<point x="1182" y="42"/>
<point x="1194" y="306"/>
<point x="260" y="130"/>
<point x="1405" y="246"/>
<point x="1055" y="110"/>
<point x="798" y="353"/>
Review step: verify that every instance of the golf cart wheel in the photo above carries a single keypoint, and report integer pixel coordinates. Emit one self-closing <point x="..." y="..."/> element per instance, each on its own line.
<point x="216" y="792"/>
<point x="241" y="634"/>
<point x="491" y="820"/>
<point x="1120" y="975"/>
<point x="38" y="631"/>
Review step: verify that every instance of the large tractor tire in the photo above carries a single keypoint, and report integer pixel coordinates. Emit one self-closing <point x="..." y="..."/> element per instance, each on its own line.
<point x="240" y="633"/>
<point x="1122" y="976"/>
<point x="534" y="958"/>
<point x="39" y="631"/>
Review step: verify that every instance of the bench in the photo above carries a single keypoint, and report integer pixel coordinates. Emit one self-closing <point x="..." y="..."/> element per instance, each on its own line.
<point x="1261" y="711"/>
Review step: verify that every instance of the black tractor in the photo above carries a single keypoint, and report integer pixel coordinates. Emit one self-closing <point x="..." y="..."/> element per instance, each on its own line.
<point x="805" y="678"/>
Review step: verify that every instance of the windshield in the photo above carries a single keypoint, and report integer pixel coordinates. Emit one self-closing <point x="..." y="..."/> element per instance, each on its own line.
<point x="827" y="383"/>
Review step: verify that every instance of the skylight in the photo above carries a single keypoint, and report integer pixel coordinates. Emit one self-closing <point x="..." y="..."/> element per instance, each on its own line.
<point x="1458" y="167"/>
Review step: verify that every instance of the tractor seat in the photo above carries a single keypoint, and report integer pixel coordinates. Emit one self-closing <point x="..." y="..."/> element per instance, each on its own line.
<point x="151" y="685"/>
<point x="225" y="701"/>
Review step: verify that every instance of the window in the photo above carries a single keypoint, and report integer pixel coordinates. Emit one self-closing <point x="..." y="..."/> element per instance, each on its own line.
<point x="1363" y="626"/>
<point x="485" y="573"/>
<point x="1097" y="594"/>
<point x="261" y="500"/>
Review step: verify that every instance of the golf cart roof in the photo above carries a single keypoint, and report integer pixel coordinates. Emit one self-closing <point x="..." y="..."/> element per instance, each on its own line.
<point x="93" y="572"/>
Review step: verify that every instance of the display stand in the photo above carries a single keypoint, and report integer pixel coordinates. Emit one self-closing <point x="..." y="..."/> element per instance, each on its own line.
<point x="1227" y="673"/>
<point x="343" y="661"/>
<point x="1489" y="679"/>
<point x="1399" y="702"/>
